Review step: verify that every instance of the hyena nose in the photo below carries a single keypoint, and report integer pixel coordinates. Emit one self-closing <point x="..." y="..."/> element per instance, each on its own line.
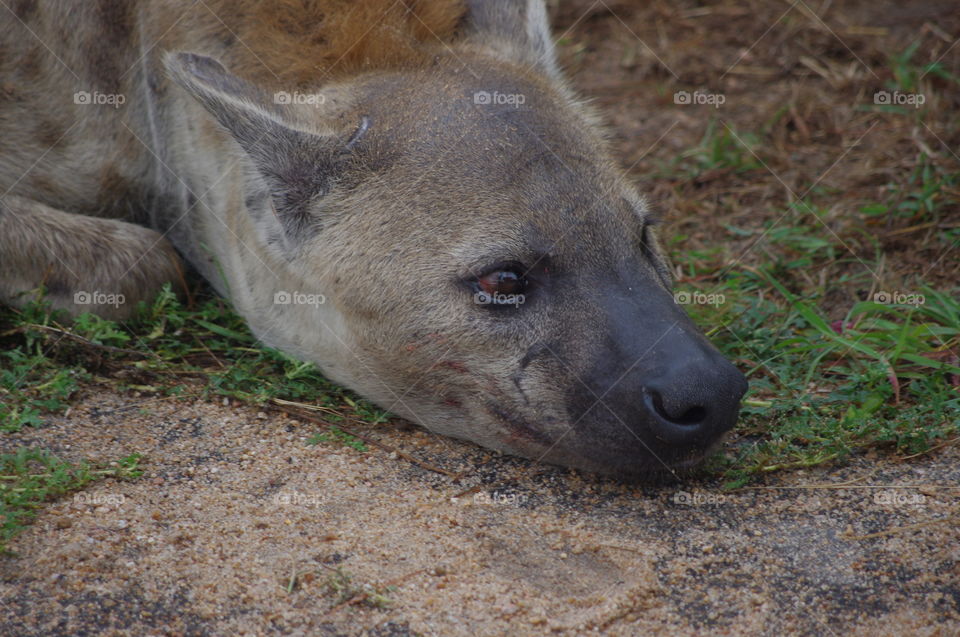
<point x="694" y="404"/>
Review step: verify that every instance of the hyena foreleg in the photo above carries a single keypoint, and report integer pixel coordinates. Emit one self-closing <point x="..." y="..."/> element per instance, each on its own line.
<point x="86" y="264"/>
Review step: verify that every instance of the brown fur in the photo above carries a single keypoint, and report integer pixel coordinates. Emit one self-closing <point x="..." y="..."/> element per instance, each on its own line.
<point x="301" y="42"/>
<point x="341" y="37"/>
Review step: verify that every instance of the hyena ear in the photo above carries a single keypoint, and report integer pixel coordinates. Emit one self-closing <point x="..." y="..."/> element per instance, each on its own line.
<point x="517" y="29"/>
<point x="298" y="165"/>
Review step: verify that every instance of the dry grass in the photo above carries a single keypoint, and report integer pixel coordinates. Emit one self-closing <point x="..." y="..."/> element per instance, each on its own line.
<point x="799" y="82"/>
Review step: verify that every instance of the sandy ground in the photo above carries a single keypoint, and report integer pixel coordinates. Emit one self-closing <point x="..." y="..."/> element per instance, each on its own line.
<point x="234" y="502"/>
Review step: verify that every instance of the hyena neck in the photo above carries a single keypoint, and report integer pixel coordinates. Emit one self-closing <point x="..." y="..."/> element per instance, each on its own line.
<point x="290" y="43"/>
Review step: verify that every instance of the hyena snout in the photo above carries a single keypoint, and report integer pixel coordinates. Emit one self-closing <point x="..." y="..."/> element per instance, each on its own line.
<point x="656" y="395"/>
<point x="695" y="399"/>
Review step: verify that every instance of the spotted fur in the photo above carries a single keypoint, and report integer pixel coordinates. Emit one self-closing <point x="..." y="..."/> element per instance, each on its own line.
<point x="374" y="158"/>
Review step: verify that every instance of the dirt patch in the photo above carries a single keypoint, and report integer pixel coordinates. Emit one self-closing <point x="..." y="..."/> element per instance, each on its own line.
<point x="235" y="503"/>
<point x="805" y="77"/>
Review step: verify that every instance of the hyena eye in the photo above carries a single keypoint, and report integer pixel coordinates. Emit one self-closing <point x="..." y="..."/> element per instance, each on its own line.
<point x="502" y="285"/>
<point x="503" y="282"/>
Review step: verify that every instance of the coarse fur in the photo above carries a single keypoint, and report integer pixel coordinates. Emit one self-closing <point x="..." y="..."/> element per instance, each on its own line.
<point x="351" y="174"/>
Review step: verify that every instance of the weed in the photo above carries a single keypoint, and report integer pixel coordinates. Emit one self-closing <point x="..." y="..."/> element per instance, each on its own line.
<point x="721" y="149"/>
<point x="31" y="384"/>
<point x="825" y="385"/>
<point x="335" y="435"/>
<point x="922" y="198"/>
<point x="203" y="352"/>
<point x="168" y="349"/>
<point x="907" y="74"/>
<point x="30" y="477"/>
<point x="341" y="585"/>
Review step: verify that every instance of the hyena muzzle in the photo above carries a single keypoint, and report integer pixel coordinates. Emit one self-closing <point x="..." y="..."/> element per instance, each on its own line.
<point x="406" y="193"/>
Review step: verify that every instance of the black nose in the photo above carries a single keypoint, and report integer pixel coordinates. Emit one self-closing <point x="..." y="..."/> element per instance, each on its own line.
<point x="694" y="401"/>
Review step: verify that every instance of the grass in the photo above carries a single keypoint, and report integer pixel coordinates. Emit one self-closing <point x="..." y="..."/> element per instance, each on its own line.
<point x="334" y="434"/>
<point x="921" y="198"/>
<point x="839" y="364"/>
<point x="31" y="386"/>
<point x="882" y="376"/>
<point x="721" y="149"/>
<point x="168" y="350"/>
<point x="31" y="477"/>
<point x="849" y="340"/>
<point x="341" y="586"/>
<point x="908" y="73"/>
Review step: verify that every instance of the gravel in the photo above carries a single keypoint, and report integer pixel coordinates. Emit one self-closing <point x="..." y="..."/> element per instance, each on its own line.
<point x="239" y="527"/>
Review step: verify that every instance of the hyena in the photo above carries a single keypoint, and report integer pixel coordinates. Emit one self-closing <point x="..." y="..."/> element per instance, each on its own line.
<point x="406" y="193"/>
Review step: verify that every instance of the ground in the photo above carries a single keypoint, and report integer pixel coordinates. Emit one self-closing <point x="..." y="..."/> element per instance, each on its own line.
<point x="784" y="183"/>
<point x="238" y="527"/>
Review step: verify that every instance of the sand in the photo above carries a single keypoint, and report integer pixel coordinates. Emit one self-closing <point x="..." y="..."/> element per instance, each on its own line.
<point x="234" y="503"/>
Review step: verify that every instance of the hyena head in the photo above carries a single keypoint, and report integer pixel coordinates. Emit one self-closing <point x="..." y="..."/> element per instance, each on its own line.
<point x="486" y="270"/>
